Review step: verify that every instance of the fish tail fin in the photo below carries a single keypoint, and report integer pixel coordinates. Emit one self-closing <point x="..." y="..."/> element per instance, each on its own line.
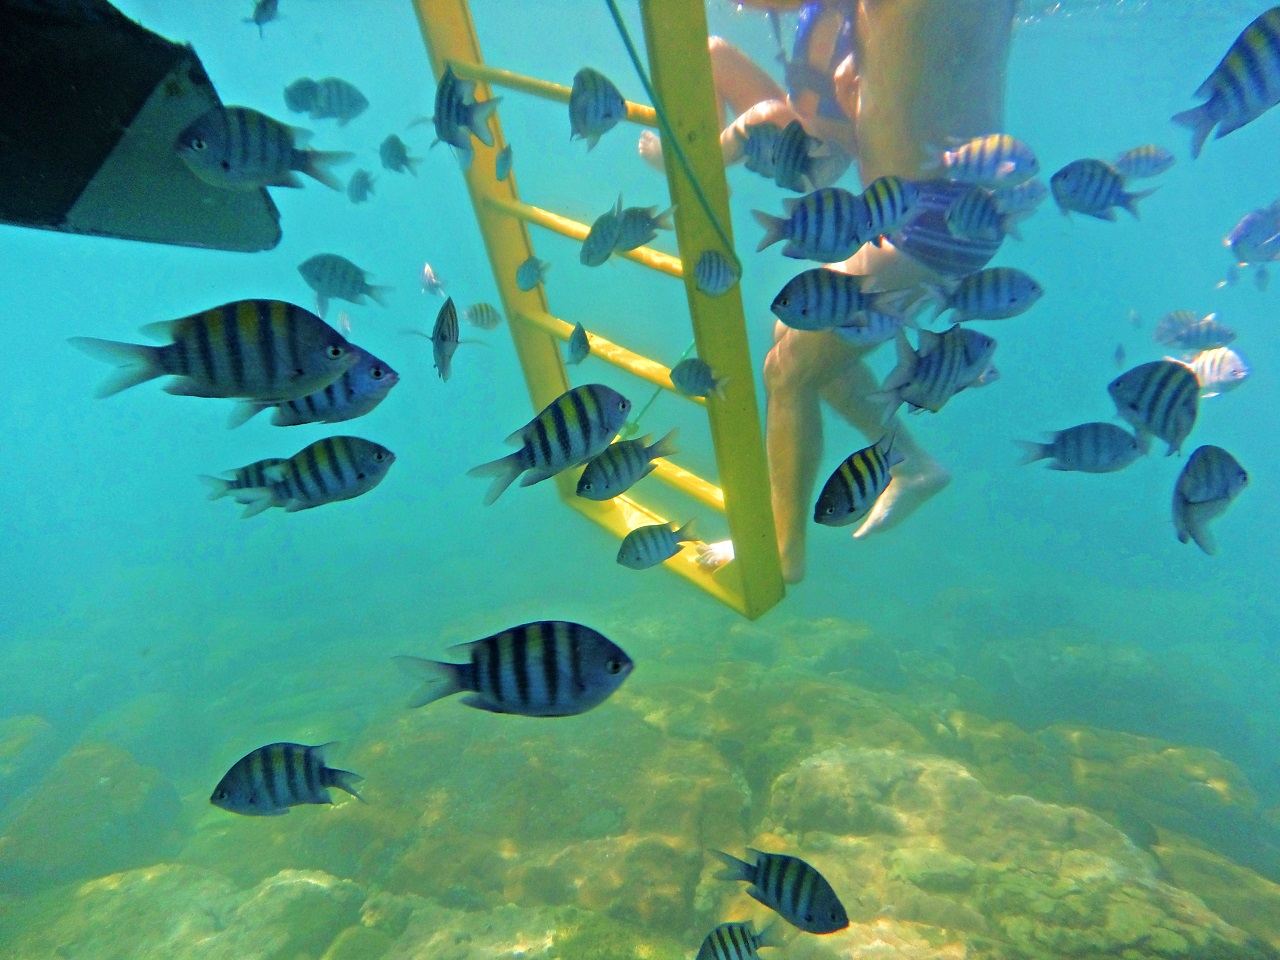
<point x="218" y="487"/>
<point x="243" y="412"/>
<point x="504" y="471"/>
<point x="775" y="229"/>
<point x="479" y="122"/>
<point x="936" y="293"/>
<point x="1130" y="201"/>
<point x="255" y="500"/>
<point x="440" y="680"/>
<point x="1032" y="451"/>
<point x="1202" y="537"/>
<point x="905" y="368"/>
<point x="769" y="936"/>
<point x="342" y="779"/>
<point x="718" y="385"/>
<point x="319" y="161"/>
<point x="666" y="447"/>
<point x="135" y="362"/>
<point x="663" y="220"/>
<point x="734" y="869"/>
<point x="1009" y="223"/>
<point x="378" y="294"/>
<point x="1201" y="122"/>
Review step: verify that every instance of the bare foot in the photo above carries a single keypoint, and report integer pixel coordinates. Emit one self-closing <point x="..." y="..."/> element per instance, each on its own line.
<point x="913" y="483"/>
<point x="651" y="149"/>
<point x="712" y="556"/>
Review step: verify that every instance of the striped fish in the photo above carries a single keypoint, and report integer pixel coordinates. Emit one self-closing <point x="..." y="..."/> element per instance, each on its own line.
<point x="531" y="273"/>
<point x="1173" y="323"/>
<point x="799" y="893"/>
<point x="1242" y="87"/>
<point x="253" y="475"/>
<point x="360" y="187"/>
<point x="1148" y="160"/>
<point x="578" y="347"/>
<point x="887" y="204"/>
<point x="927" y="239"/>
<point x="254" y="349"/>
<point x="1219" y="370"/>
<point x="355" y="393"/>
<point x="803" y="163"/>
<point x="329" y="470"/>
<point x="945" y="364"/>
<point x="1208" y="483"/>
<point x="332" y="276"/>
<point x="1022" y="199"/>
<point x="736" y="941"/>
<point x="502" y="164"/>
<point x="241" y="149"/>
<point x="694" y="378"/>
<point x="1255" y="239"/>
<point x="821" y="298"/>
<point x="851" y="492"/>
<point x="395" y="156"/>
<point x="459" y="115"/>
<point x="976" y="215"/>
<point x="595" y="106"/>
<point x="715" y="274"/>
<point x="1159" y="398"/>
<point x="271" y="779"/>
<point x="598" y="245"/>
<point x="299" y="95"/>
<point x="444" y="338"/>
<point x="760" y="147"/>
<point x="1203" y="334"/>
<point x="993" y="161"/>
<point x="652" y="544"/>
<point x="568" y="432"/>
<point x="639" y="225"/>
<point x="1087" y="448"/>
<point x="871" y="328"/>
<point x="622" y="464"/>
<point x="548" y="668"/>
<point x="483" y="315"/>
<point x="1094" y="188"/>
<point x="333" y="98"/>
<point x="824" y="225"/>
<point x="996" y="293"/>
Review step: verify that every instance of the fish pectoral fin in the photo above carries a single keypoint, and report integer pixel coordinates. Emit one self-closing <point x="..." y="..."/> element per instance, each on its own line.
<point x="287" y="179"/>
<point x="481" y="703"/>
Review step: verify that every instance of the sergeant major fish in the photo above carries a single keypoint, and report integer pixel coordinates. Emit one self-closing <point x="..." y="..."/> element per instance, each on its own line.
<point x="1219" y="370"/>
<point x="355" y="393"/>
<point x="822" y="298"/>
<point x="996" y="293"/>
<point x="568" y="432"/>
<point x="327" y="471"/>
<point x="330" y="98"/>
<point x="995" y="161"/>
<point x="760" y="147"/>
<point x="599" y="243"/>
<point x="502" y="164"/>
<point x="1242" y="87"/>
<point x="976" y="215"/>
<point x="654" y="543"/>
<point x="736" y="941"/>
<point x="945" y="364"/>
<point x="395" y="156"/>
<point x="1094" y="188"/>
<point x="822" y="225"/>
<point x="1159" y="398"/>
<point x="483" y="315"/>
<point x="803" y="163"/>
<point x="299" y="95"/>
<point x="548" y="668"/>
<point x="236" y="148"/>
<point x="578" y="347"/>
<point x="360" y="187"/>
<point x="852" y="490"/>
<point x="252" y="475"/>
<point x="1140" y="163"/>
<point x="330" y="275"/>
<point x="621" y="465"/>
<point x="252" y="349"/>
<point x="459" y="115"/>
<point x="799" y="893"/>
<point x="887" y="205"/>
<point x="595" y="106"/>
<point x="1181" y="329"/>
<point x="1208" y="483"/>
<point x="639" y="225"/>
<point x="531" y="273"/>
<point x="271" y="779"/>
<point x="715" y="274"/>
<point x="694" y="378"/>
<point x="1087" y="448"/>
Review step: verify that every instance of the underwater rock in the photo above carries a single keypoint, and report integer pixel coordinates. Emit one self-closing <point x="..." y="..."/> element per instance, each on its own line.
<point x="98" y="811"/>
<point x="1238" y="894"/>
<point x="25" y="743"/>
<point x="1015" y="877"/>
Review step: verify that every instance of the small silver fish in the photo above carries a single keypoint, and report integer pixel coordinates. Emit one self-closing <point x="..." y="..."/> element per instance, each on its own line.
<point x="430" y="282"/>
<point x="332" y="276"/>
<point x="714" y="273"/>
<point x="360" y="187"/>
<point x="1208" y="483"/>
<point x="483" y="315"/>
<point x="531" y="273"/>
<point x="1087" y="448"/>
<point x="652" y="544"/>
<point x="395" y="156"/>
<point x="595" y="106"/>
<point x="502" y="165"/>
<point x="694" y="378"/>
<point x="579" y="347"/>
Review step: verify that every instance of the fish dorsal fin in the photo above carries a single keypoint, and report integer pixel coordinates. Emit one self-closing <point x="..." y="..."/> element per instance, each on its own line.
<point x="929" y="342"/>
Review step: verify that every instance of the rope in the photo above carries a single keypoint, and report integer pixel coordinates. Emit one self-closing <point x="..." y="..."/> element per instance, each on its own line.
<point x="634" y="423"/>
<point x="669" y="137"/>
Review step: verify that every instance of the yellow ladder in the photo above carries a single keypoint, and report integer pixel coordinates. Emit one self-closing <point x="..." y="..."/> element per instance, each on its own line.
<point x="680" y="66"/>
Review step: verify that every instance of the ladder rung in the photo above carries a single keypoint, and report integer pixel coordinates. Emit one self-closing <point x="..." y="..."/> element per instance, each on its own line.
<point x="647" y="256"/>
<point x="690" y="484"/>
<point x="620" y="357"/>
<point x="636" y="112"/>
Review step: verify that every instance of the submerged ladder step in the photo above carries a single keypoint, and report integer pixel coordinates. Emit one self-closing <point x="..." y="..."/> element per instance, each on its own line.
<point x="636" y="112"/>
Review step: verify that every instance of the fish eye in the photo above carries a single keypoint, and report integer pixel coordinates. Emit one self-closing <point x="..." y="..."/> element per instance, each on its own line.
<point x="835" y="914"/>
<point x="613" y="666"/>
<point x="376" y="373"/>
<point x="334" y="351"/>
<point x="829" y="511"/>
<point x="221" y="795"/>
<point x="198" y="144"/>
<point x="808" y="918"/>
<point x="624" y="404"/>
<point x="585" y="485"/>
<point x="379" y="456"/>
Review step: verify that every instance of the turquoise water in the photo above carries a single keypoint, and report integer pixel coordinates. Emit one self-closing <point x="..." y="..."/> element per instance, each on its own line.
<point x="139" y="615"/>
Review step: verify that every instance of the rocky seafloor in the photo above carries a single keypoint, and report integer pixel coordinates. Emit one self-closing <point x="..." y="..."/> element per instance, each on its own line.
<point x="947" y="832"/>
